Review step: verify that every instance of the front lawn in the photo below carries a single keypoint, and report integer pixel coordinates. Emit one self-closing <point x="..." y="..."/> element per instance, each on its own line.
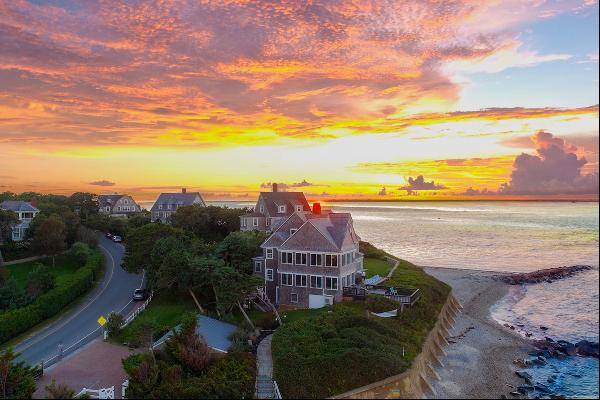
<point x="65" y="266"/>
<point x="376" y="266"/>
<point x="164" y="312"/>
<point x="345" y="347"/>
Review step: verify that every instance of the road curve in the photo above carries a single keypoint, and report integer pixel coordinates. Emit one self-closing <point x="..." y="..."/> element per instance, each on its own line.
<point x="79" y="326"/>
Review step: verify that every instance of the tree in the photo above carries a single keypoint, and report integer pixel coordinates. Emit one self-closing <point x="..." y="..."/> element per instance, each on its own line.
<point x="8" y="220"/>
<point x="49" y="237"/>
<point x="17" y="379"/>
<point x="87" y="236"/>
<point x="85" y="204"/>
<point x="188" y="348"/>
<point x="140" y="242"/>
<point x="59" y="391"/>
<point x="235" y="287"/>
<point x="4" y="276"/>
<point x="211" y="223"/>
<point x="39" y="281"/>
<point x="208" y="271"/>
<point x="238" y="249"/>
<point x="114" y="324"/>
<point x="80" y="253"/>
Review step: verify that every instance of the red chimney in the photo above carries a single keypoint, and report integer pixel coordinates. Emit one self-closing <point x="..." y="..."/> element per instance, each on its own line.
<point x="274" y="188"/>
<point x="183" y="190"/>
<point x="316" y="208"/>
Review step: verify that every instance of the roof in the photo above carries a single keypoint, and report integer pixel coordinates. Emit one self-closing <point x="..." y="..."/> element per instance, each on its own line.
<point x="18" y="206"/>
<point x="108" y="199"/>
<point x="274" y="199"/>
<point x="181" y="199"/>
<point x="253" y="214"/>
<point x="331" y="232"/>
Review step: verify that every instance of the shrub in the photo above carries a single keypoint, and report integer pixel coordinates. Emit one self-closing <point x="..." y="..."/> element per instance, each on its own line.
<point x="87" y="236"/>
<point x="58" y="391"/>
<point x="12" y="296"/>
<point x="16" y="321"/>
<point x="114" y="324"/>
<point x="39" y="281"/>
<point x="80" y="252"/>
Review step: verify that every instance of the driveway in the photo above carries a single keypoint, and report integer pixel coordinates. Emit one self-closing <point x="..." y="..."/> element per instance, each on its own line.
<point x="79" y="326"/>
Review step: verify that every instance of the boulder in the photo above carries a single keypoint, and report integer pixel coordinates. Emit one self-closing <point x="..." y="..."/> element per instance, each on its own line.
<point x="543" y="388"/>
<point x="586" y="348"/>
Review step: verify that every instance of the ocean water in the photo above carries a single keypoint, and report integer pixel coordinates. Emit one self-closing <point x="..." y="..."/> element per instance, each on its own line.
<point x="507" y="237"/>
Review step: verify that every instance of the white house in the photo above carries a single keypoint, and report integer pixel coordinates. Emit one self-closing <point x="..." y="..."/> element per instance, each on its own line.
<point x="26" y="213"/>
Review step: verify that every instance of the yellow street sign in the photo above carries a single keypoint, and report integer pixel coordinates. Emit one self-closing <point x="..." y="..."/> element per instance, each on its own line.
<point x="102" y="321"/>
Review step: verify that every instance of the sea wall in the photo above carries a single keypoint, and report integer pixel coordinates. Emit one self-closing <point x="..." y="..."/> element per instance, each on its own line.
<point x="415" y="383"/>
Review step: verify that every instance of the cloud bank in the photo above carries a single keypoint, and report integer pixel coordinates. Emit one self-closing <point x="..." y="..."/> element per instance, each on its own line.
<point x="419" y="183"/>
<point x="103" y="182"/>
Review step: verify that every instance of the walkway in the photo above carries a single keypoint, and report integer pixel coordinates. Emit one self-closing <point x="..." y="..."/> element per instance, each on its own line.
<point x="98" y="365"/>
<point x="265" y="387"/>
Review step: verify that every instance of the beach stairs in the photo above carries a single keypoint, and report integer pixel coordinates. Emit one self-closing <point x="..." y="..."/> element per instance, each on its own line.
<point x="265" y="387"/>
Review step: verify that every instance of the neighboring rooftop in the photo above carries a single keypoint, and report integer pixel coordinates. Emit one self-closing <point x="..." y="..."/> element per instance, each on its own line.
<point x="108" y="199"/>
<point x="18" y="206"/>
<point x="184" y="198"/>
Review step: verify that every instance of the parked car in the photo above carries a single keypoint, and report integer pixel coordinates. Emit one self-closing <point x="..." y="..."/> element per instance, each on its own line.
<point x="109" y="235"/>
<point x="140" y="294"/>
<point x="117" y="239"/>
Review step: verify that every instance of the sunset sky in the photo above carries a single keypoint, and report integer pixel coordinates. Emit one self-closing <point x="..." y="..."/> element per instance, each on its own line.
<point x="381" y="99"/>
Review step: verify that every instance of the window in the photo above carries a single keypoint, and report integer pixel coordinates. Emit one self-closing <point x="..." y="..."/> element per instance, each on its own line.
<point x="287" y="257"/>
<point x="268" y="221"/>
<point x="301" y="258"/>
<point x="331" y="260"/>
<point x="298" y="208"/>
<point x="316" y="260"/>
<point x="331" y="283"/>
<point x="269" y="274"/>
<point x="287" y="279"/>
<point x="254" y="221"/>
<point x="301" y="280"/>
<point x="257" y="266"/>
<point x="269" y="254"/>
<point x="262" y="209"/>
<point x="243" y="221"/>
<point x="316" y="282"/>
<point x="293" y="297"/>
<point x="282" y="209"/>
<point x="292" y="231"/>
<point x="160" y="206"/>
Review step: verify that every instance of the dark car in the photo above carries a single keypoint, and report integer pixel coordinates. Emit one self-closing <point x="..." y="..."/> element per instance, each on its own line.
<point x="109" y="235"/>
<point x="140" y="294"/>
<point x="117" y="239"/>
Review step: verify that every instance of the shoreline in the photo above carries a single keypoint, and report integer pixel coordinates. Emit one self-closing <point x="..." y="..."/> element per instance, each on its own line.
<point x="479" y="356"/>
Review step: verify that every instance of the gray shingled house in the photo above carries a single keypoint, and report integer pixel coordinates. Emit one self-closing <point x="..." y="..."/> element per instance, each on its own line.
<point x="272" y="208"/>
<point x="309" y="258"/>
<point x="168" y="203"/>
<point x="26" y="213"/>
<point x="117" y="205"/>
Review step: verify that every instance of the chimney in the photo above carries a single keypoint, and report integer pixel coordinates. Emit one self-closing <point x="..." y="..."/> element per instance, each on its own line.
<point x="34" y="202"/>
<point x="274" y="188"/>
<point x="183" y="190"/>
<point x="316" y="208"/>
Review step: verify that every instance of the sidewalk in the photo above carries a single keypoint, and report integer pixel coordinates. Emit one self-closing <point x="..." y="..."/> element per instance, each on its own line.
<point x="97" y="365"/>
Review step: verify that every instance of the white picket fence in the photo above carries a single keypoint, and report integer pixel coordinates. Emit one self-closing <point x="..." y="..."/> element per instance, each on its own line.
<point x="105" y="393"/>
<point x="137" y="312"/>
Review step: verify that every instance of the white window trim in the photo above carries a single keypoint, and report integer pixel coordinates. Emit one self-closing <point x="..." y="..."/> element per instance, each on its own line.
<point x="282" y="253"/>
<point x="305" y="278"/>
<point x="300" y="263"/>
<point x="292" y="231"/>
<point x="287" y="275"/>
<point x="332" y="278"/>
<point x="320" y="264"/>
<point x="269" y="275"/>
<point x="298" y="208"/>
<point x="292" y="298"/>
<point x="281" y="209"/>
<point x="316" y="286"/>
<point x="269" y="253"/>
<point x="254" y="221"/>
<point x="257" y="266"/>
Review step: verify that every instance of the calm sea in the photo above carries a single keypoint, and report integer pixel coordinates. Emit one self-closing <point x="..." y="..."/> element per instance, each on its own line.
<point x="504" y="237"/>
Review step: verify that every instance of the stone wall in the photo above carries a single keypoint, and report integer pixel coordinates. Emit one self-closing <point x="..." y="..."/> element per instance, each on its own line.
<point x="414" y="383"/>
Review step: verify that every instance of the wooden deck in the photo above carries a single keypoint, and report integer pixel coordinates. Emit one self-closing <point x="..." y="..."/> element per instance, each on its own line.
<point x="403" y="296"/>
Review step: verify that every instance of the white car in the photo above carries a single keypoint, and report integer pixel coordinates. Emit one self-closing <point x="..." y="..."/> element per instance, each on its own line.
<point x="117" y="239"/>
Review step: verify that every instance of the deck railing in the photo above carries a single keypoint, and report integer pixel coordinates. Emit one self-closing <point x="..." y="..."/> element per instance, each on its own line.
<point x="402" y="296"/>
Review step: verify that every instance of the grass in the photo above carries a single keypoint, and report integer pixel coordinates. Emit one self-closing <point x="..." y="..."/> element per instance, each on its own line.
<point x="297" y="315"/>
<point x="165" y="311"/>
<point x="65" y="266"/>
<point x="321" y="354"/>
<point x="376" y="266"/>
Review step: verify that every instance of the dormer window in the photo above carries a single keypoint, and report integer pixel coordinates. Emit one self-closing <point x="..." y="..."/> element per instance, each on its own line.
<point x="292" y="231"/>
<point x="160" y="206"/>
<point x="262" y="209"/>
<point x="282" y="209"/>
<point x="298" y="208"/>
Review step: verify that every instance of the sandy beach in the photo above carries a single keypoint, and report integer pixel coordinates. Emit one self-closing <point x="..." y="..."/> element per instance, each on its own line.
<point x="479" y="360"/>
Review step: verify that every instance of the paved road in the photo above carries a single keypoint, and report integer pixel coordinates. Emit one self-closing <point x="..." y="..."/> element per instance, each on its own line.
<point x="79" y="326"/>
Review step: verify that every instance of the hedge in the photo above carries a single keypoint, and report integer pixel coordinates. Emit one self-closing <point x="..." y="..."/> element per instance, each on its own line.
<point x="15" y="322"/>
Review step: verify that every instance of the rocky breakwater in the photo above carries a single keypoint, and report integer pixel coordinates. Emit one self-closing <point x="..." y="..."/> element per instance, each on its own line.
<point x="544" y="275"/>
